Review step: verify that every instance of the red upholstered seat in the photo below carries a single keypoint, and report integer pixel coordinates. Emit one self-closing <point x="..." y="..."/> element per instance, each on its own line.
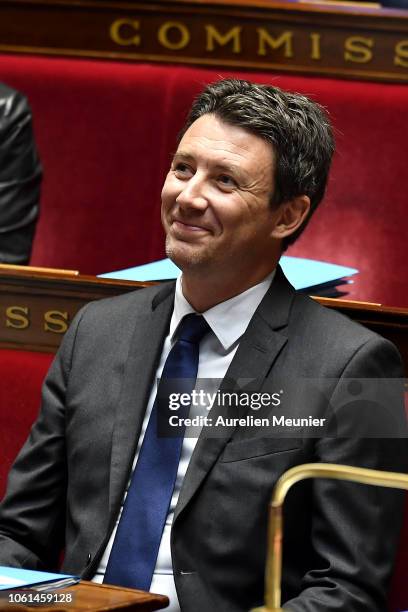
<point x="106" y="131"/>
<point x="21" y="375"/>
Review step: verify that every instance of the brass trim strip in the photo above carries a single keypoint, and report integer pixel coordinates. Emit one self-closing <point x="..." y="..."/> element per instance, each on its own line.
<point x="36" y="270"/>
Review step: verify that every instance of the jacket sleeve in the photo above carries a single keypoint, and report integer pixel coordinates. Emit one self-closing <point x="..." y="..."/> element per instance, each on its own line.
<point x="20" y="178"/>
<point x="355" y="527"/>
<point x="32" y="513"/>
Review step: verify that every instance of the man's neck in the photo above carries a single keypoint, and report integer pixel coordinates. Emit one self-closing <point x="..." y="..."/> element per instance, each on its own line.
<point x="204" y="292"/>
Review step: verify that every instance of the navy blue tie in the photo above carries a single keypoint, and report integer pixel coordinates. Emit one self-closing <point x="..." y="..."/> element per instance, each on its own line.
<point x="136" y="545"/>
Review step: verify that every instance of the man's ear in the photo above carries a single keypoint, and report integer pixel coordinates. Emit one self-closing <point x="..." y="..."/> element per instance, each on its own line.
<point x="292" y="215"/>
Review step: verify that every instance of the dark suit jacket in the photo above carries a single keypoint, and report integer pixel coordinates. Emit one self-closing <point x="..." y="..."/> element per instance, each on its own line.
<point x="20" y="178"/>
<point x="66" y="487"/>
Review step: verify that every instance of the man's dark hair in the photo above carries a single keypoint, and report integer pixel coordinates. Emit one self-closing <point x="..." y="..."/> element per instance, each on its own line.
<point x="298" y="129"/>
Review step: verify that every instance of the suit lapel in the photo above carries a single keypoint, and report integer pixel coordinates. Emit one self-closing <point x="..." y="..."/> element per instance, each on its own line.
<point x="258" y="349"/>
<point x="151" y="327"/>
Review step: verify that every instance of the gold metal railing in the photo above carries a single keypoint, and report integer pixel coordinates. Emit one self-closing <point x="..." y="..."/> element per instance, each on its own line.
<point x="273" y="573"/>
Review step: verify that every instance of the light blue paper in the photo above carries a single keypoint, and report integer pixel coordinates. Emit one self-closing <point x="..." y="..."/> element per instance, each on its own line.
<point x="13" y="578"/>
<point x="302" y="273"/>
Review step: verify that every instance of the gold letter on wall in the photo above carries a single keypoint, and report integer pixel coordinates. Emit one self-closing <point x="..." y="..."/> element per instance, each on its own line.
<point x="213" y="36"/>
<point x="315" y="40"/>
<point x="401" y="54"/>
<point x="17" y="317"/>
<point x="184" y="35"/>
<point x="55" y="321"/>
<point x="285" y="39"/>
<point x="358" y="49"/>
<point x="118" y="29"/>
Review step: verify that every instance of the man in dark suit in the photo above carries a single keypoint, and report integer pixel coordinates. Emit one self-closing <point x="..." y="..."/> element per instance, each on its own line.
<point x="250" y="167"/>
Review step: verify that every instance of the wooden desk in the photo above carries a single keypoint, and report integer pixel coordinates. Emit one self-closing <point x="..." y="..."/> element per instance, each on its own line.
<point x="97" y="598"/>
<point x="36" y="308"/>
<point x="37" y="305"/>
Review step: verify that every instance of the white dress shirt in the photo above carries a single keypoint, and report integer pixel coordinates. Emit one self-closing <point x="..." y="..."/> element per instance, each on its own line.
<point x="228" y="321"/>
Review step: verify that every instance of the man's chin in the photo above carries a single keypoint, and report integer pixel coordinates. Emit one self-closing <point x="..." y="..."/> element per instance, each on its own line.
<point x="183" y="256"/>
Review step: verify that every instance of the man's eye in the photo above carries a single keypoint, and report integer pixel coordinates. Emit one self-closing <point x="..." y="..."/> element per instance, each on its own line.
<point x="182" y="170"/>
<point x="226" y="181"/>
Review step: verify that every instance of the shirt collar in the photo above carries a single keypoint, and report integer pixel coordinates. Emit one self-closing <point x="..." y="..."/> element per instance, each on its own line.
<point x="228" y="320"/>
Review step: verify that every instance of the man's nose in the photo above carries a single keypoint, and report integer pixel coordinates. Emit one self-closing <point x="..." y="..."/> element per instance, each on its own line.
<point x="193" y="194"/>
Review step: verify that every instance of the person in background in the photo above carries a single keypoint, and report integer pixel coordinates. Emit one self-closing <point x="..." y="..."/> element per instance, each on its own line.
<point x="20" y="178"/>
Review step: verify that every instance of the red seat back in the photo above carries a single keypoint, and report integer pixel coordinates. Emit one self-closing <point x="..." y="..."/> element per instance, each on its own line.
<point x="21" y="375"/>
<point x="106" y="131"/>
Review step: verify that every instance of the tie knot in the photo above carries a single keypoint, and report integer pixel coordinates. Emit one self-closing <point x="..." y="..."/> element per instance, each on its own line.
<point x="193" y="328"/>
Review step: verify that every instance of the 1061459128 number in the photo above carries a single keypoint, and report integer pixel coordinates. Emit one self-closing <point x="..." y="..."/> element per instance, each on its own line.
<point x="31" y="597"/>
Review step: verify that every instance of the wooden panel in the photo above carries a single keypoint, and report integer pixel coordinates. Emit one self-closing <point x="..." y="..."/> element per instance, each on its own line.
<point x="95" y="598"/>
<point x="353" y="41"/>
<point x="36" y="307"/>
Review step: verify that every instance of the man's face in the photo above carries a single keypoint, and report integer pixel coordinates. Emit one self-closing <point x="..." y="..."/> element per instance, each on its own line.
<point x="215" y="199"/>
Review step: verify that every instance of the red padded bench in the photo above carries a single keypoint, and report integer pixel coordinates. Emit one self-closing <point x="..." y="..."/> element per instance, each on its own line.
<point x="21" y="375"/>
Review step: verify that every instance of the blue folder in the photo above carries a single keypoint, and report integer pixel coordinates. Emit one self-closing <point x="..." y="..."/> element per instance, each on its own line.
<point x="16" y="578"/>
<point x="304" y="274"/>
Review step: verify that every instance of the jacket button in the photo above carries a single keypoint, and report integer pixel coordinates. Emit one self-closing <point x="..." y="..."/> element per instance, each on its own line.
<point x="88" y="559"/>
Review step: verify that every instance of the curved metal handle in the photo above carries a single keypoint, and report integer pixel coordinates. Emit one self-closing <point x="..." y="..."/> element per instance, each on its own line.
<point x="273" y="573"/>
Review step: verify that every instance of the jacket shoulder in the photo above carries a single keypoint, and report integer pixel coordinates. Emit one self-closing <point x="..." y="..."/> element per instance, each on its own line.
<point x="127" y="305"/>
<point x="327" y="337"/>
<point x="323" y="320"/>
<point x="13" y="106"/>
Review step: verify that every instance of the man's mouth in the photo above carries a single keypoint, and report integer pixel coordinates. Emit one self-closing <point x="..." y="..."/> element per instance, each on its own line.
<point x="188" y="227"/>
